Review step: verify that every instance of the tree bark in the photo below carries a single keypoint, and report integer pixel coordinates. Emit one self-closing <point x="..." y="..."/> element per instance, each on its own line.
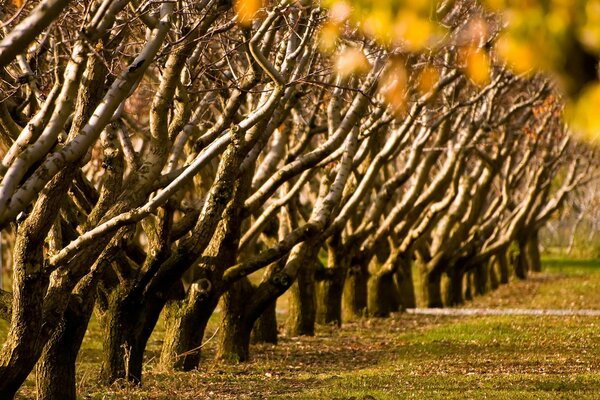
<point x="453" y="293"/>
<point x="265" y="328"/>
<point x="302" y="303"/>
<point x="501" y="261"/>
<point x="329" y="305"/>
<point x="354" y="298"/>
<point x="481" y="276"/>
<point x="234" y="339"/>
<point x="533" y="252"/>
<point x="55" y="371"/>
<point x="405" y="284"/>
<point x="186" y="325"/>
<point x="382" y="295"/>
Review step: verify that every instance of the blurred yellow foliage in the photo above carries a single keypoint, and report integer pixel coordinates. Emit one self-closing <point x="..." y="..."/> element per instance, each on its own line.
<point x="584" y="114"/>
<point x="477" y="65"/>
<point x="393" y="85"/>
<point x="328" y="36"/>
<point x="412" y="30"/>
<point x="351" y="61"/>
<point x="427" y="79"/>
<point x="245" y="10"/>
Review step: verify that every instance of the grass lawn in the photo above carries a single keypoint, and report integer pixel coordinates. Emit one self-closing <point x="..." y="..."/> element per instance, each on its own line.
<point x="406" y="356"/>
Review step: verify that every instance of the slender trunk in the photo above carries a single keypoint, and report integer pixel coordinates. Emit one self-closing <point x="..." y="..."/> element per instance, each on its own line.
<point x="265" y="328"/>
<point x="234" y="339"/>
<point x="354" y="298"/>
<point x="302" y="303"/>
<point x="55" y="371"/>
<point x="329" y="305"/>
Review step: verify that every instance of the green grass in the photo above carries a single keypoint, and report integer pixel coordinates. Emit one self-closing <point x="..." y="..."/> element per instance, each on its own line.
<point x="406" y="356"/>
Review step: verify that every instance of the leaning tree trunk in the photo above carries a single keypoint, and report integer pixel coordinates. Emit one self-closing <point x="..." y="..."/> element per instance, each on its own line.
<point x="354" y="298"/>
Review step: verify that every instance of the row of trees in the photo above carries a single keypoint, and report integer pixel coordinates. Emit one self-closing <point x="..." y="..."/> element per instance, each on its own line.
<point x="159" y="157"/>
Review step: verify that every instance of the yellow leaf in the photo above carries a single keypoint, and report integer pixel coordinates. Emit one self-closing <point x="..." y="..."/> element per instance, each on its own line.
<point x="246" y="10"/>
<point x="18" y="3"/>
<point x="351" y="61"/>
<point x="477" y="65"/>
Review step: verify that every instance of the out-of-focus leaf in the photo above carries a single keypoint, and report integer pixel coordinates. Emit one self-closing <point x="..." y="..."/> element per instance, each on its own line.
<point x="246" y="10"/>
<point x="393" y="85"/>
<point x="328" y="36"/>
<point x="584" y="114"/>
<point x="477" y="65"/>
<point x="351" y="61"/>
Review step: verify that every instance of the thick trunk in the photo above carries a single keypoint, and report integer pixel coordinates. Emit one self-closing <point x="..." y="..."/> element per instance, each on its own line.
<point x="234" y="338"/>
<point x="265" y="328"/>
<point x="480" y="276"/>
<point x="354" y="298"/>
<point x="453" y="287"/>
<point x="406" y="285"/>
<point x="431" y="286"/>
<point x="127" y="324"/>
<point x="55" y="371"/>
<point x="302" y="303"/>
<point x="186" y="324"/>
<point x="382" y="295"/>
<point x="329" y="306"/>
